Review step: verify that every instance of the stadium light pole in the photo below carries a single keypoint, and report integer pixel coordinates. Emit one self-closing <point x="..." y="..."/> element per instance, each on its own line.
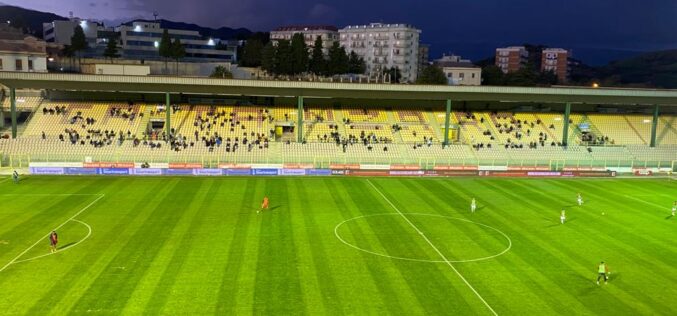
<point x="654" y="126"/>
<point x="168" y="114"/>
<point x="447" y="116"/>
<point x="299" y="124"/>
<point x="12" y="109"/>
<point x="565" y="132"/>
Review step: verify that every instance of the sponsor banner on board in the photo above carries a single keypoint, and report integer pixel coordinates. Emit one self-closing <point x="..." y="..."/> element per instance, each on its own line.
<point x="298" y="166"/>
<point x="81" y="171"/>
<point x="109" y="165"/>
<point x="147" y="171"/>
<point x="440" y="167"/>
<point x="178" y="172"/>
<point x="293" y="172"/>
<point x="266" y="166"/>
<point x="237" y="172"/>
<point x="114" y="171"/>
<point x="405" y="167"/>
<point x="181" y="165"/>
<point x="208" y="172"/>
<point x="265" y="172"/>
<point x="234" y="166"/>
<point x="319" y="172"/>
<point x="410" y="173"/>
<point x="45" y="170"/>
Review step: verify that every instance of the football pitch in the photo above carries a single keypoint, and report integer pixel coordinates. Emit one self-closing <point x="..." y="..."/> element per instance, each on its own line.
<point x="333" y="245"/>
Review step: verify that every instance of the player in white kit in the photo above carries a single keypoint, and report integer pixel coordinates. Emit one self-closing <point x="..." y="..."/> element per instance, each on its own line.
<point x="473" y="205"/>
<point x="580" y="199"/>
<point x="562" y="217"/>
<point x="674" y="208"/>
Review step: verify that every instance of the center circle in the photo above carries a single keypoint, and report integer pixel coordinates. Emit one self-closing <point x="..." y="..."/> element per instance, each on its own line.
<point x="391" y="235"/>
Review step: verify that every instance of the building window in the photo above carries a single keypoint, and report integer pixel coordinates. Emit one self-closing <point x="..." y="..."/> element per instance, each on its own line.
<point x="461" y="75"/>
<point x="30" y="65"/>
<point x="19" y="65"/>
<point x="473" y="75"/>
<point x="0" y="63"/>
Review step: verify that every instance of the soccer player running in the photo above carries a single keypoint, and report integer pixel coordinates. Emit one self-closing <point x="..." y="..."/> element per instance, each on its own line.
<point x="473" y="205"/>
<point x="674" y="208"/>
<point x="53" y="240"/>
<point x="602" y="271"/>
<point x="562" y="217"/>
<point x="15" y="177"/>
<point x="264" y="204"/>
<point x="580" y="199"/>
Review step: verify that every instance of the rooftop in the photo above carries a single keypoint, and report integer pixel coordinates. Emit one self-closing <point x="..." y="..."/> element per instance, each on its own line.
<point x="306" y="28"/>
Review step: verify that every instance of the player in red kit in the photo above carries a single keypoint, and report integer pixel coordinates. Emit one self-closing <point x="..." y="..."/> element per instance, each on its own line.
<point x="53" y="240"/>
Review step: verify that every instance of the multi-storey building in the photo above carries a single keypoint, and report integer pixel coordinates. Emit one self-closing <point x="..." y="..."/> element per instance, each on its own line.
<point x="21" y="52"/>
<point x="461" y="72"/>
<point x="423" y="56"/>
<point x="141" y="39"/>
<point x="384" y="46"/>
<point x="61" y="32"/>
<point x="328" y="33"/>
<point x="557" y="61"/>
<point x="511" y="58"/>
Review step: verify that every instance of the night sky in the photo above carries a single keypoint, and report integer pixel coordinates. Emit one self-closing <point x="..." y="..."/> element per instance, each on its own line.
<point x="596" y="30"/>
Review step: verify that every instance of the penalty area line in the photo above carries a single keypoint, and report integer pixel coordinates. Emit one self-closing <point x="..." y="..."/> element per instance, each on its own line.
<point x="58" y="227"/>
<point x="444" y="258"/>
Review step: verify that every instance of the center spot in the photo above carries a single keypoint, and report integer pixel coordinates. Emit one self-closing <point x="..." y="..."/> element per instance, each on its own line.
<point x="390" y="235"/>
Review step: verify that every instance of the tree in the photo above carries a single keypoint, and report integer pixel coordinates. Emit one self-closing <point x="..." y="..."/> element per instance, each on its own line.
<point x="165" y="47"/>
<point x="547" y="78"/>
<point x="251" y="54"/>
<point x="317" y="63"/>
<point x="221" y="72"/>
<point x="356" y="64"/>
<point x="432" y="75"/>
<point x="178" y="52"/>
<point x="283" y="58"/>
<point x="492" y="76"/>
<point x="524" y="77"/>
<point x="299" y="55"/>
<point x="338" y="60"/>
<point x="111" y="49"/>
<point x="268" y="58"/>
<point x="78" y="42"/>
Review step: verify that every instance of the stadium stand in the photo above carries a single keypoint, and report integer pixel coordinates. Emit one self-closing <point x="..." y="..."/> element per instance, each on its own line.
<point x="73" y="130"/>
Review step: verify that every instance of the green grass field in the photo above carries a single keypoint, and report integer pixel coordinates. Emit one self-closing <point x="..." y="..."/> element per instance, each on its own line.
<point x="358" y="246"/>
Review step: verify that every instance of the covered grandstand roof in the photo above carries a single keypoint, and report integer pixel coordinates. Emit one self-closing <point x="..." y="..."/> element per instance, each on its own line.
<point x="188" y="85"/>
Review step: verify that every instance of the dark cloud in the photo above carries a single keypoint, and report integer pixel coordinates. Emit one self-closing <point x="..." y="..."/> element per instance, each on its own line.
<point x="471" y="27"/>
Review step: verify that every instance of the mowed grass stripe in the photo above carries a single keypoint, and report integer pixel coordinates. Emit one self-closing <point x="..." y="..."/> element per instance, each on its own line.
<point x="111" y="294"/>
<point x="154" y="289"/>
<point x="278" y="288"/>
<point x="315" y="263"/>
<point x="373" y="282"/>
<point x="75" y="272"/>
<point x="236" y="292"/>
<point x="464" y="300"/>
<point x="552" y="262"/>
<point x="541" y="270"/>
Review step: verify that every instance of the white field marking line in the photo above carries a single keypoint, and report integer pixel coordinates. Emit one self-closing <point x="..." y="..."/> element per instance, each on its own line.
<point x="41" y="239"/>
<point x="48" y="194"/>
<point x="89" y="233"/>
<point x="434" y="248"/>
<point x="422" y="260"/>
<point x="1" y="181"/>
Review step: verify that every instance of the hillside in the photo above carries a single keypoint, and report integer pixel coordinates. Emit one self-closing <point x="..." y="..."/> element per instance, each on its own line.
<point x="222" y="32"/>
<point x="30" y="21"/>
<point x="654" y="69"/>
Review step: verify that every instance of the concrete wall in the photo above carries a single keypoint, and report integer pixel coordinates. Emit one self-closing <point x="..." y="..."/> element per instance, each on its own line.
<point x="116" y="69"/>
<point x="157" y="67"/>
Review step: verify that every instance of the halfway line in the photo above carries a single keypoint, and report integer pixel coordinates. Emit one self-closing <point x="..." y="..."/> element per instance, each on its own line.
<point x="41" y="239"/>
<point x="434" y="247"/>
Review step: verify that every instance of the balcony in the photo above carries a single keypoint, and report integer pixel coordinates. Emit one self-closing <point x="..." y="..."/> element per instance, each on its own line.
<point x="402" y="45"/>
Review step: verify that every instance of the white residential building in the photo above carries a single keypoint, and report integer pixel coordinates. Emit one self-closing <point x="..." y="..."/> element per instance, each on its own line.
<point x="384" y="46"/>
<point x="21" y="52"/>
<point x="141" y="39"/>
<point x="60" y="32"/>
<point x="459" y="72"/>
<point x="328" y="33"/>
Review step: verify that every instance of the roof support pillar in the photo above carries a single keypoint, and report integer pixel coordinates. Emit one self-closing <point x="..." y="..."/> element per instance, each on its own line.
<point x="565" y="131"/>
<point x="299" y="124"/>
<point x="168" y="117"/>
<point x="447" y="117"/>
<point x="654" y="126"/>
<point x="12" y="109"/>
